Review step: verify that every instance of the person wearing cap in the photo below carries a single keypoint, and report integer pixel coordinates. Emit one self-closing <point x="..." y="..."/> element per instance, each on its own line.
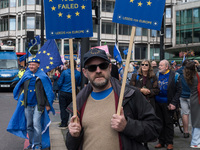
<point x="98" y="126"/>
<point x="38" y="97"/>
<point x="173" y="65"/>
<point x="65" y="92"/>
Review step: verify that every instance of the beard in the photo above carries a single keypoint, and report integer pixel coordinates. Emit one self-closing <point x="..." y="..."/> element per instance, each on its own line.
<point x="99" y="84"/>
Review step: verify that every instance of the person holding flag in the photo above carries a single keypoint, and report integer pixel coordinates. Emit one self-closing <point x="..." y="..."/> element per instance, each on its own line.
<point x="38" y="96"/>
<point x="97" y="125"/>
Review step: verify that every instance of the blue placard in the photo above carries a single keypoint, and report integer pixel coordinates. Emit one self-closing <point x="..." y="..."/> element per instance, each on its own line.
<point x="68" y="19"/>
<point x="67" y="57"/>
<point x="140" y="13"/>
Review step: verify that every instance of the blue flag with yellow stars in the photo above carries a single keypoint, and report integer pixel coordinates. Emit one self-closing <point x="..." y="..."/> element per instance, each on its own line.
<point x="49" y="56"/>
<point x="139" y="13"/>
<point x="68" y="18"/>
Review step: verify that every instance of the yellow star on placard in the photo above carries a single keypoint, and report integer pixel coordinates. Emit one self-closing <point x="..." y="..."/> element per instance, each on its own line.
<point x="140" y="4"/>
<point x="22" y="102"/>
<point x="50" y="0"/>
<point x="44" y="52"/>
<point x="47" y="67"/>
<point x="51" y="62"/>
<point x="77" y="13"/>
<point x="53" y="8"/>
<point x="59" y="14"/>
<point x="39" y="52"/>
<point x="69" y="16"/>
<point x="149" y="3"/>
<point x="131" y="1"/>
<point x="51" y="58"/>
<point x="42" y="69"/>
<point x="34" y="56"/>
<point x="83" y="6"/>
<point x="48" y="54"/>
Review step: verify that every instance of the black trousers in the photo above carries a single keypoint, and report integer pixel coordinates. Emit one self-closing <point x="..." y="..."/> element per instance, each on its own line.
<point x="167" y="134"/>
<point x="65" y="99"/>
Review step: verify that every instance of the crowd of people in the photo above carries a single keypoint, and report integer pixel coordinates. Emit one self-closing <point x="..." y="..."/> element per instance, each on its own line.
<point x="152" y="94"/>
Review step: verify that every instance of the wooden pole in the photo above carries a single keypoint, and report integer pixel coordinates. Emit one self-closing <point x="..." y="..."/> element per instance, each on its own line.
<point x="126" y="70"/>
<point x="72" y="77"/>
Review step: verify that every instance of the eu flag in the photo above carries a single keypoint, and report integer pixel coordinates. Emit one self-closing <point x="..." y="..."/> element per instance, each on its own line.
<point x="68" y="18"/>
<point x="35" y="41"/>
<point x="145" y="14"/>
<point x="23" y="57"/>
<point x="117" y="55"/>
<point x="49" y="56"/>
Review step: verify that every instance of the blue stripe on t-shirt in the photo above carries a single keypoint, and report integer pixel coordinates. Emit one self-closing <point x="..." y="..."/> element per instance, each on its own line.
<point x="101" y="95"/>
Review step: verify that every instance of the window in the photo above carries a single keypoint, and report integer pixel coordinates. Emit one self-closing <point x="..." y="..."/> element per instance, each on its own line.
<point x="38" y="2"/>
<point x="4" y="24"/>
<point x="124" y="29"/>
<point x="144" y="32"/>
<point x="19" y="3"/>
<point x="12" y="24"/>
<point x="178" y="37"/>
<point x="12" y="3"/>
<point x="30" y="2"/>
<point x="4" y="3"/>
<point x="196" y="15"/>
<point x="168" y="33"/>
<point x="138" y="31"/>
<point x="108" y="28"/>
<point x="140" y="52"/>
<point x="37" y="23"/>
<point x="168" y="13"/>
<point x="30" y="23"/>
<point x="153" y="33"/>
<point x="108" y="6"/>
<point x="178" y="18"/>
<point x="186" y="16"/>
<point x="196" y="38"/>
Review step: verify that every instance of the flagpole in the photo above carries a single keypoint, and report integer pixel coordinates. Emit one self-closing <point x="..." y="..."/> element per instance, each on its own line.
<point x="126" y="70"/>
<point x="72" y="77"/>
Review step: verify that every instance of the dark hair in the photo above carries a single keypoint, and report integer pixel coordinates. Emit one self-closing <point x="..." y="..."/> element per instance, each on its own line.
<point x="74" y="64"/>
<point x="189" y="72"/>
<point x="185" y="62"/>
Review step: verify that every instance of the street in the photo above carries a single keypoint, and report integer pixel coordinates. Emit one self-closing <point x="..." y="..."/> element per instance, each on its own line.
<point x="8" y="141"/>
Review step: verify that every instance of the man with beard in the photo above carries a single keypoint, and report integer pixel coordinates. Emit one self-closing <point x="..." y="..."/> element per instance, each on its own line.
<point x="98" y="126"/>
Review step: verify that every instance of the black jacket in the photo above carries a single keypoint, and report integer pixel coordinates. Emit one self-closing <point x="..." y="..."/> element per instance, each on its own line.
<point x="142" y="123"/>
<point x="40" y="94"/>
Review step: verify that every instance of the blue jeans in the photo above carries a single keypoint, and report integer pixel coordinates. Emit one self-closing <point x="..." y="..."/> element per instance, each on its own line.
<point x="195" y="136"/>
<point x="34" y="127"/>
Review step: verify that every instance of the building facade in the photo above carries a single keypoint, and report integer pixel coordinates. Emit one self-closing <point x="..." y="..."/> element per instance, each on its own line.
<point x="19" y="16"/>
<point x="186" y="28"/>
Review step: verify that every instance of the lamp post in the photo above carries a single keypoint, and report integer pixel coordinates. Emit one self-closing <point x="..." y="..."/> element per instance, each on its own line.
<point x="153" y="57"/>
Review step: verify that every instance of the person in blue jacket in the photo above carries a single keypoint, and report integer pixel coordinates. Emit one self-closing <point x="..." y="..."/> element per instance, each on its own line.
<point x="65" y="92"/>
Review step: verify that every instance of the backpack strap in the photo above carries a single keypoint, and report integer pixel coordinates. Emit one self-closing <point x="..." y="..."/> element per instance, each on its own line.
<point x="137" y="77"/>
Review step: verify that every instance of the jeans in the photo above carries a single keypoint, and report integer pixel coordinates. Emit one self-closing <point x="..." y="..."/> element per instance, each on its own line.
<point x="65" y="99"/>
<point x="34" y="127"/>
<point x="195" y="136"/>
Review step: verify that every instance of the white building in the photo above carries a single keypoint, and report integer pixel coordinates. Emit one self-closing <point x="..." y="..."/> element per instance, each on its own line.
<point x="19" y="16"/>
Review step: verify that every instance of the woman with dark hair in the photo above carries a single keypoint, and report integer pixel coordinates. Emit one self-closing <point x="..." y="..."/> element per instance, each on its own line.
<point x="191" y="77"/>
<point x="146" y="81"/>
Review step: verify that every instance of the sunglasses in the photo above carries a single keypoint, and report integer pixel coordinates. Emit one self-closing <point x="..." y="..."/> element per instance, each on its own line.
<point x="93" y="68"/>
<point x="145" y="64"/>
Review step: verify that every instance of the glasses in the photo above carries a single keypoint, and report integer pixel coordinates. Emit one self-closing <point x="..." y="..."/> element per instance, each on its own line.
<point x="93" y="68"/>
<point x="145" y="64"/>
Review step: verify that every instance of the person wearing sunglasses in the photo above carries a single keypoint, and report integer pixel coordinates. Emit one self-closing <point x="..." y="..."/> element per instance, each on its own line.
<point x="146" y="81"/>
<point x="166" y="102"/>
<point x="98" y="126"/>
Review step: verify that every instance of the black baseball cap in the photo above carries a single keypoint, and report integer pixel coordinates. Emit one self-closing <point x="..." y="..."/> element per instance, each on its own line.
<point x="95" y="52"/>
